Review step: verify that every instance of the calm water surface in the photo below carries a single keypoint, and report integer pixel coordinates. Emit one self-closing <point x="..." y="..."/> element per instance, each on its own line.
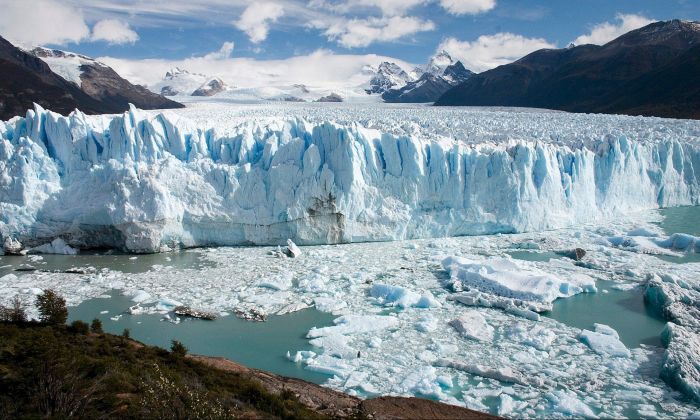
<point x="261" y="345"/>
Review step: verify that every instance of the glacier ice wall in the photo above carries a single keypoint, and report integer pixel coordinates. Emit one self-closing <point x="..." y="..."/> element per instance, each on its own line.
<point x="140" y="182"/>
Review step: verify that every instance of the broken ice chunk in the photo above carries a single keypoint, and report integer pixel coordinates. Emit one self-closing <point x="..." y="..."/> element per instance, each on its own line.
<point x="504" y="277"/>
<point x="503" y="374"/>
<point x="566" y="402"/>
<point x="354" y="324"/>
<point x="473" y="325"/>
<point x="57" y="246"/>
<point x="603" y="342"/>
<point x="12" y="246"/>
<point x="292" y="250"/>
<point x="282" y="281"/>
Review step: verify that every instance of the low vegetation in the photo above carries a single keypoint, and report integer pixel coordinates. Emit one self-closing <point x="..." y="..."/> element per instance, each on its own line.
<point x="49" y="369"/>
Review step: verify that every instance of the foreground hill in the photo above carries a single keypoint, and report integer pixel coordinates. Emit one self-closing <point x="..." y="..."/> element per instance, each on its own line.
<point x="65" y="81"/>
<point x="58" y="371"/>
<point x="654" y="70"/>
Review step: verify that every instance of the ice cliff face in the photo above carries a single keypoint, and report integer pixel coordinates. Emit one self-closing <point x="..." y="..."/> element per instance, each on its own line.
<point x="141" y="182"/>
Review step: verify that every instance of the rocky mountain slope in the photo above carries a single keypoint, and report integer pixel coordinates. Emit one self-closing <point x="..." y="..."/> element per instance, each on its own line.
<point x="64" y="82"/>
<point x="101" y="82"/>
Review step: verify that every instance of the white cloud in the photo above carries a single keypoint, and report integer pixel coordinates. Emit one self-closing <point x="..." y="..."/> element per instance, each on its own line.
<point x="363" y="32"/>
<point x="322" y="69"/>
<point x="223" y="53"/>
<point x="607" y="31"/>
<point x="256" y="19"/>
<point x="52" y="22"/>
<point x="114" y="32"/>
<point x="489" y="51"/>
<point x="387" y="7"/>
<point x="467" y="7"/>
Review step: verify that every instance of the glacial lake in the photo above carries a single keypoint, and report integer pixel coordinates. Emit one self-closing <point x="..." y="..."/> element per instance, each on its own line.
<point x="261" y="345"/>
<point x="264" y="345"/>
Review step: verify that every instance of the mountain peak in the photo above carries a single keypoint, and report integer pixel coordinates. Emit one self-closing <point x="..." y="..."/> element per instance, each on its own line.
<point x="388" y="75"/>
<point x="676" y="34"/>
<point x="652" y="70"/>
<point x="439" y="62"/>
<point x="64" y="81"/>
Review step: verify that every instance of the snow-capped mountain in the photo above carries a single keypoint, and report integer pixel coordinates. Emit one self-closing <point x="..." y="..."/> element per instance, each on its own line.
<point x="211" y="87"/>
<point x="440" y="74"/>
<point x="456" y="73"/>
<point x="99" y="81"/>
<point x="65" y="81"/>
<point x="179" y="81"/>
<point x="367" y="85"/>
<point x="388" y="76"/>
<point x="438" y="63"/>
<point x="66" y="64"/>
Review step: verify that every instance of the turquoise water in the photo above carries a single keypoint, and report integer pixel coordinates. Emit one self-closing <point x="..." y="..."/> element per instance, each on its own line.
<point x="114" y="261"/>
<point x="681" y="220"/>
<point x="543" y="256"/>
<point x="261" y="345"/>
<point x="625" y="311"/>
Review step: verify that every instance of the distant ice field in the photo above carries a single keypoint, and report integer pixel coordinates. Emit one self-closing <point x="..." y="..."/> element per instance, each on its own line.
<point x="470" y="125"/>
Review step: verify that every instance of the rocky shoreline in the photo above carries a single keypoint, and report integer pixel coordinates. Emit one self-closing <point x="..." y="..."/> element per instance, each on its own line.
<point x="336" y="404"/>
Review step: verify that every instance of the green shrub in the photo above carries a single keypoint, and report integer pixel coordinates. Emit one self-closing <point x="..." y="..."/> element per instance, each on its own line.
<point x="15" y="312"/>
<point x="52" y="308"/>
<point x="178" y="349"/>
<point x="96" y="326"/>
<point x="79" y="327"/>
<point x="126" y="333"/>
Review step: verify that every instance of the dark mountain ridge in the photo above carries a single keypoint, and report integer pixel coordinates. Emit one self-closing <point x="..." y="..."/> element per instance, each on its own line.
<point x="623" y="76"/>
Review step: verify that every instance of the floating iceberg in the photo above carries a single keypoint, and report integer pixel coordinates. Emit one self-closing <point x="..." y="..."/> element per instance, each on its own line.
<point x="506" y="278"/>
<point x="473" y="325"/>
<point x="679" y="301"/>
<point x="354" y="324"/>
<point x="402" y="297"/>
<point x="650" y="243"/>
<point x="141" y="181"/>
<point x="604" y="341"/>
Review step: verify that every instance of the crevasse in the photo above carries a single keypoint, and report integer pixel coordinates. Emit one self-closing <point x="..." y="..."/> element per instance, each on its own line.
<point x="141" y="182"/>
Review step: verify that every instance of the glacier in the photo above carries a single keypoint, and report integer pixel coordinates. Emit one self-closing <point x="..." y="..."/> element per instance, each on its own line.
<point x="145" y="182"/>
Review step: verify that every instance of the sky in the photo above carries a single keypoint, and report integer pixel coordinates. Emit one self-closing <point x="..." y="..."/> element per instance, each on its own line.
<point x="143" y="37"/>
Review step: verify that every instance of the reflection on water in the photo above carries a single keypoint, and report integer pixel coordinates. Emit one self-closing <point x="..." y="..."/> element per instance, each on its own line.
<point x="625" y="311"/>
<point x="125" y="263"/>
<point x="681" y="220"/>
<point x="261" y="345"/>
<point x="543" y="256"/>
